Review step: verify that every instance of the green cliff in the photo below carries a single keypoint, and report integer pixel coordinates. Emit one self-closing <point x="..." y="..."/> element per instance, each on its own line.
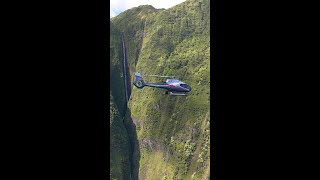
<point x="119" y="142"/>
<point x="116" y="69"/>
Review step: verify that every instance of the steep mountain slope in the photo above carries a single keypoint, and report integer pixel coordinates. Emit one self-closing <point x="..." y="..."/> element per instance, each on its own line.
<point x="173" y="133"/>
<point x="132" y="22"/>
<point x="119" y="142"/>
<point x="116" y="69"/>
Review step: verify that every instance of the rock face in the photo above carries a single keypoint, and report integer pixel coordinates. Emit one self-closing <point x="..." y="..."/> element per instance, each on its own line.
<point x="172" y="139"/>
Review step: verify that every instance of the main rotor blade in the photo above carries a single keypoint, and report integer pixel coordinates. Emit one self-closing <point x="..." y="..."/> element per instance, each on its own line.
<point x="162" y="76"/>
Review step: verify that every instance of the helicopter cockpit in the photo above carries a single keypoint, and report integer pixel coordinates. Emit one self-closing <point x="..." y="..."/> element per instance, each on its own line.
<point x="186" y="86"/>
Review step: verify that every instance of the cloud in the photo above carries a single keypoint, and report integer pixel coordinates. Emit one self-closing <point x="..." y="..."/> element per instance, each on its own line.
<point x="114" y="11"/>
<point x="118" y="6"/>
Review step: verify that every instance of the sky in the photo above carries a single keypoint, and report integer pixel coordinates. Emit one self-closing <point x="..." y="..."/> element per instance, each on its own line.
<point x="118" y="6"/>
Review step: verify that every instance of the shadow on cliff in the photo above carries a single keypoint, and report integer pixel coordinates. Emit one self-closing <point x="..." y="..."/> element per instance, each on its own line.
<point x="134" y="145"/>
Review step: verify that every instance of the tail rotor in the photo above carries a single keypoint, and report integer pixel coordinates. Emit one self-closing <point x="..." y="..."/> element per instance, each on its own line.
<point x="139" y="83"/>
<point x="163" y="76"/>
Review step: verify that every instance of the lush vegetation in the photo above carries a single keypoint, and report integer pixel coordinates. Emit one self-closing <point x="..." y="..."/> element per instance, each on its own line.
<point x="119" y="142"/>
<point x="173" y="132"/>
<point x="116" y="69"/>
<point x="132" y="22"/>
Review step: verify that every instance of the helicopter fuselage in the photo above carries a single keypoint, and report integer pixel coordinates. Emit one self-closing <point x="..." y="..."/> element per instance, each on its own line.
<point x="174" y="87"/>
<point x="171" y="85"/>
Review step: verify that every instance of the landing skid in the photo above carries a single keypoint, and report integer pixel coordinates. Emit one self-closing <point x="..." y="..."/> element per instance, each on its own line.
<point x="174" y="94"/>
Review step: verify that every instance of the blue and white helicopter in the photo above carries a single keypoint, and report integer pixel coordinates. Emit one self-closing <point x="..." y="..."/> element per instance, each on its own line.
<point x="174" y="87"/>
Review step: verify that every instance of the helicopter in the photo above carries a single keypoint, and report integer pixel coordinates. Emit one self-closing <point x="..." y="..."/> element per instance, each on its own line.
<point x="174" y="87"/>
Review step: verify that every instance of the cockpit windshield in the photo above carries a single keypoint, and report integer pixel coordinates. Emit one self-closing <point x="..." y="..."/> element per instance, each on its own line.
<point x="186" y="86"/>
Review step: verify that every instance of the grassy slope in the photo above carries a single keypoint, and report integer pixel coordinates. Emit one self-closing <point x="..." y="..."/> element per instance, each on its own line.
<point x="173" y="132"/>
<point x="119" y="143"/>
